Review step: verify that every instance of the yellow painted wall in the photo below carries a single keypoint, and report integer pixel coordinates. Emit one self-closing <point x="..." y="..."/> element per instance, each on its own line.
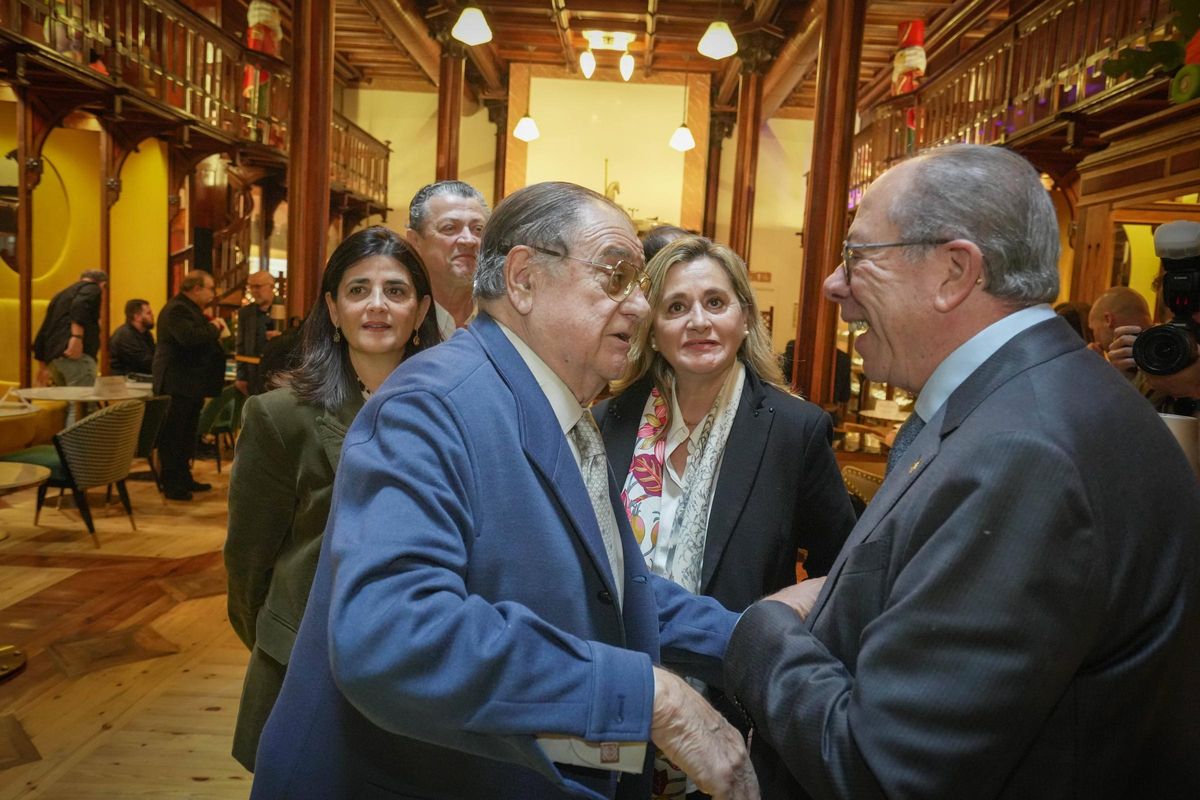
<point x="1144" y="265"/>
<point x="139" y="232"/>
<point x="66" y="236"/>
<point x="585" y="122"/>
<point x="409" y="121"/>
<point x="1066" y="255"/>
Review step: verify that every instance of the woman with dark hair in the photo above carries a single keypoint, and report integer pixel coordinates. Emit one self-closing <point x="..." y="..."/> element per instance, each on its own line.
<point x="726" y="477"/>
<point x="373" y="313"/>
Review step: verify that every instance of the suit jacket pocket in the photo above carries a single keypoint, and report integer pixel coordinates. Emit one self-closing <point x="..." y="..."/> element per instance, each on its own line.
<point x="869" y="556"/>
<point x="274" y="635"/>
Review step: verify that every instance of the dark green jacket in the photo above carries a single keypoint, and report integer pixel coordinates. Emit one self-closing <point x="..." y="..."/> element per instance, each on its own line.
<point x="279" y="496"/>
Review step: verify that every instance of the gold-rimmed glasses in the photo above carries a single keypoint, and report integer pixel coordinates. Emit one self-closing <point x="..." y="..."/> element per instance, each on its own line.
<point x="851" y="253"/>
<point x="622" y="276"/>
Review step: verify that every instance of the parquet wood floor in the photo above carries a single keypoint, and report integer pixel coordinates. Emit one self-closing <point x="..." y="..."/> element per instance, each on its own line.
<point x="134" y="674"/>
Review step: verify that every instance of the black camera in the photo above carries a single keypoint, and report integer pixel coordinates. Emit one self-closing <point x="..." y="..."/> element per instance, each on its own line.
<point x="1168" y="348"/>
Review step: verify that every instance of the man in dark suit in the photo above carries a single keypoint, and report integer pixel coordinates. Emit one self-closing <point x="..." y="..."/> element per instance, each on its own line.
<point x="255" y="329"/>
<point x="189" y="365"/>
<point x="481" y="624"/>
<point x="1017" y="613"/>
<point x="131" y="347"/>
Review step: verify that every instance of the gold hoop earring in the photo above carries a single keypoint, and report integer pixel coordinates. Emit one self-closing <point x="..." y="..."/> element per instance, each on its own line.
<point x="337" y="335"/>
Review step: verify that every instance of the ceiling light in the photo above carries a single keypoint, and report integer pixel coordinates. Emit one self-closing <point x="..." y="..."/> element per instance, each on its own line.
<point x="587" y="63"/>
<point x="609" y="40"/>
<point x="682" y="139"/>
<point x="471" y="28"/>
<point x="718" y="42"/>
<point x="626" y="66"/>
<point x="527" y="129"/>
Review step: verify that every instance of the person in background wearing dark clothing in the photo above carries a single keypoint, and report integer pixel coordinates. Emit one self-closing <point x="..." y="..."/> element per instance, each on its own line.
<point x="131" y="347"/>
<point x="659" y="237"/>
<point x="255" y="328"/>
<point x="189" y="365"/>
<point x="67" y="343"/>
<point x="281" y="355"/>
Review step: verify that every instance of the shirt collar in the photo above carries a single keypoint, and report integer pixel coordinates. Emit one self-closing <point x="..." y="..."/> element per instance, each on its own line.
<point x="678" y="432"/>
<point x="971" y="354"/>
<point x="562" y="400"/>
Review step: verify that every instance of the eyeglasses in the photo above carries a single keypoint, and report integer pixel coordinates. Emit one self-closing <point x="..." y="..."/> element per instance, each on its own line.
<point x="852" y="253"/>
<point x="622" y="276"/>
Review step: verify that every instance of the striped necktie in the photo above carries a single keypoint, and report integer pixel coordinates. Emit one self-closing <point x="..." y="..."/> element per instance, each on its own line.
<point x="594" y="466"/>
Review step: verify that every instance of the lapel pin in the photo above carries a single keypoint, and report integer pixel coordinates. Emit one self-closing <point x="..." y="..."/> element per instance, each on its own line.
<point x="914" y="466"/>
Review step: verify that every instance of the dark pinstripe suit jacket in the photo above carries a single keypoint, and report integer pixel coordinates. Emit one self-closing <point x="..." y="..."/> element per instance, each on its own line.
<point x="1017" y="613"/>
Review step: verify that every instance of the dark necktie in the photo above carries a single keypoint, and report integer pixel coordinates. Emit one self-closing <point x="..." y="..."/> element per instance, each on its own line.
<point x="904" y="437"/>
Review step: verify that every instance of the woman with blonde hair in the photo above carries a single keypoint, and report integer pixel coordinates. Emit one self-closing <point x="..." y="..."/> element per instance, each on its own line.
<point x="728" y="479"/>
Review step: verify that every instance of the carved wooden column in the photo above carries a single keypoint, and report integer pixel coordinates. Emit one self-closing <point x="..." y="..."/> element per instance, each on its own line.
<point x="310" y="151"/>
<point x="756" y="49"/>
<point x="825" y="211"/>
<point x="498" y="115"/>
<point x="451" y="78"/>
<point x="720" y="126"/>
<point x="37" y="116"/>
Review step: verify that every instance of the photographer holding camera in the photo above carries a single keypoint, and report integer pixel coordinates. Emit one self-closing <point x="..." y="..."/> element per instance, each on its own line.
<point x="1168" y="355"/>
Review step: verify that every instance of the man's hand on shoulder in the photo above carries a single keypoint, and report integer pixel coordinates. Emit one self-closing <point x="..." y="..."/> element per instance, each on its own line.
<point x="700" y="741"/>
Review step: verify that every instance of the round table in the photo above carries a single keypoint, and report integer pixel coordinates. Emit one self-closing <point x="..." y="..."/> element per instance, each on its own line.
<point x="85" y="394"/>
<point x="17" y="475"/>
<point x="885" y="415"/>
<point x="14" y="476"/>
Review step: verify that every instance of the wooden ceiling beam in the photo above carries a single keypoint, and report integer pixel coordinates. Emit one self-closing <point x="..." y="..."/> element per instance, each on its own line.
<point x="764" y="12"/>
<point x="795" y="61"/>
<point x="402" y="20"/>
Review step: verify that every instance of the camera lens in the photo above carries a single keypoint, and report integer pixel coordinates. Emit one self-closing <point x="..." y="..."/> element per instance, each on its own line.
<point x="1164" y="349"/>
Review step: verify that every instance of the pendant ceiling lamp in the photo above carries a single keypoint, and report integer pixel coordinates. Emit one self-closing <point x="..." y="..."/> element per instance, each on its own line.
<point x="626" y="66"/>
<point x="471" y="29"/>
<point x="682" y="139"/>
<point x="718" y="42"/>
<point x="587" y="63"/>
<point x="526" y="129"/>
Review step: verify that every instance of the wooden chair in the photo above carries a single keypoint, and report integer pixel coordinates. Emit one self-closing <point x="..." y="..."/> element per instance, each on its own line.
<point x="95" y="451"/>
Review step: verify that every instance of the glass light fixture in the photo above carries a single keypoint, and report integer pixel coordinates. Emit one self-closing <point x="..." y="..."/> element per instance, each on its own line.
<point x="587" y="63"/>
<point x="718" y="42"/>
<point x="626" y="66"/>
<point x="526" y="129"/>
<point x="471" y="29"/>
<point x="682" y="139"/>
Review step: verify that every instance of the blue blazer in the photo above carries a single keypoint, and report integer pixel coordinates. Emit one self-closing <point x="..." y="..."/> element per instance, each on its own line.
<point x="463" y="603"/>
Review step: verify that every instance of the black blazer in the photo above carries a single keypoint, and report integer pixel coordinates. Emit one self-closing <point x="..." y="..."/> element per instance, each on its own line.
<point x="188" y="360"/>
<point x="779" y="490"/>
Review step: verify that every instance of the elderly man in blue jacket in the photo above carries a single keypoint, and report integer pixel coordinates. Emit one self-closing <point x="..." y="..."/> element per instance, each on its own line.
<point x="482" y="624"/>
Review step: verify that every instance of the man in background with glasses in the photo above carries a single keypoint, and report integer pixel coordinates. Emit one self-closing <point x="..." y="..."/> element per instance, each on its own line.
<point x="482" y="624"/>
<point x="1017" y="612"/>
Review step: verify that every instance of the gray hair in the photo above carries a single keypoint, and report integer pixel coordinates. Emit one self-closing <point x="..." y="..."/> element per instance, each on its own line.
<point x="418" y="208"/>
<point x="545" y="215"/>
<point x="94" y="275"/>
<point x="992" y="197"/>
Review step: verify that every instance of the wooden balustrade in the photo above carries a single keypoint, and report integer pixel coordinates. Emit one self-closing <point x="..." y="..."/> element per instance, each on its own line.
<point x="1028" y="72"/>
<point x="359" y="162"/>
<point x="166" y="52"/>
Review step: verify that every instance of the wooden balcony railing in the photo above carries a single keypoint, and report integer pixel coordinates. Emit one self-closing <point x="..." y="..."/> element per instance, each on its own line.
<point x="1030" y="70"/>
<point x="167" y="52"/>
<point x="359" y="162"/>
